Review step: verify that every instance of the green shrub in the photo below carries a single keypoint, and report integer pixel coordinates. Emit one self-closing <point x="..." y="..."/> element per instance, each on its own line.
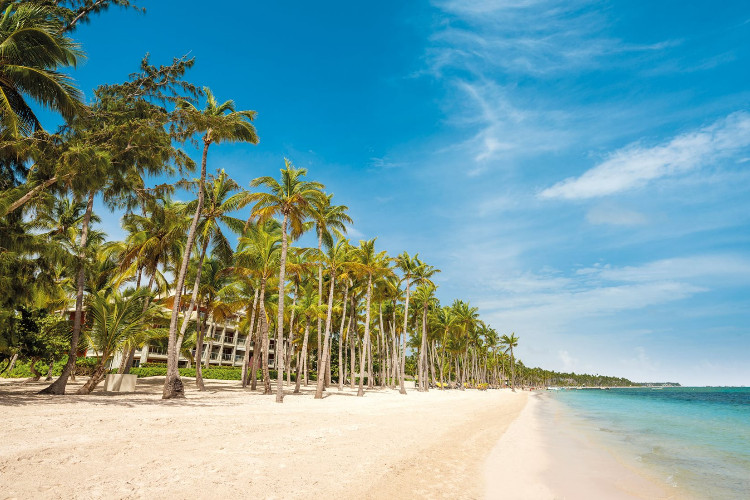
<point x="84" y="367"/>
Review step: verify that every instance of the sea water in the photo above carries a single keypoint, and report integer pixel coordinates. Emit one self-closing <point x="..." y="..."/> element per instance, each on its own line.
<point x="696" y="439"/>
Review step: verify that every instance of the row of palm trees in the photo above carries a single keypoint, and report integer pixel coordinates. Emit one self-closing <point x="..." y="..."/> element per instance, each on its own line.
<point x="373" y="307"/>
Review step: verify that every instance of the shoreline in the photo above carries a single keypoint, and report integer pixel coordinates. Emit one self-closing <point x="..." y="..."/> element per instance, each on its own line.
<point x="544" y="455"/>
<point x="229" y="442"/>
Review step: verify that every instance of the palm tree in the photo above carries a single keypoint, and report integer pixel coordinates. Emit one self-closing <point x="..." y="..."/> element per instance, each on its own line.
<point x="32" y="50"/>
<point x="309" y="308"/>
<point x="332" y="259"/>
<point x="218" y="204"/>
<point x="114" y="321"/>
<point x="213" y="285"/>
<point x="509" y="342"/>
<point x="467" y="319"/>
<point x="257" y="256"/>
<point x="407" y="265"/>
<point x="294" y="199"/>
<point x="425" y="295"/>
<point x="327" y="218"/>
<point x="218" y="123"/>
<point x="368" y="264"/>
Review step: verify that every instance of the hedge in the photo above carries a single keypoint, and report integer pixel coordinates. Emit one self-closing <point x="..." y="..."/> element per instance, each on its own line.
<point x="84" y="367"/>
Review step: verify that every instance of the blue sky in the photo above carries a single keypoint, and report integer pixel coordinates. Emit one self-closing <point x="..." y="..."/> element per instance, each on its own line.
<point x="579" y="170"/>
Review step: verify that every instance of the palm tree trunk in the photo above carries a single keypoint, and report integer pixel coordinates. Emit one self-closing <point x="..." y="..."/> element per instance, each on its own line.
<point x="321" y="380"/>
<point x="173" y="387"/>
<point x="199" y="353"/>
<point x="96" y="377"/>
<point x="280" y="317"/>
<point x="58" y="386"/>
<point x="246" y="359"/>
<point x="353" y="356"/>
<point x="36" y="189"/>
<point x="366" y="340"/>
<point x="263" y="323"/>
<point x="320" y="367"/>
<point x="422" y="351"/>
<point x="402" y="375"/>
<point x="193" y="299"/>
<point x="341" y="336"/>
<point x="303" y="354"/>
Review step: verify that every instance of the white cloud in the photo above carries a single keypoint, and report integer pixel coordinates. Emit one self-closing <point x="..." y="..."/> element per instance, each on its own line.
<point x="615" y="215"/>
<point x="636" y="165"/>
<point x="525" y="37"/>
<point x="551" y="301"/>
<point x="505" y="126"/>
<point x="353" y="233"/>
<point x="724" y="268"/>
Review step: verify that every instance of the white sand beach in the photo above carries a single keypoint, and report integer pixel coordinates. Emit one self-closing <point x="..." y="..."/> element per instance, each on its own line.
<point x="228" y="442"/>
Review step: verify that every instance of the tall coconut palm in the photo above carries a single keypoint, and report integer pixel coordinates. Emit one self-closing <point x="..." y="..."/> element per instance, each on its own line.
<point x="509" y="342"/>
<point x="425" y="295"/>
<point x="217" y="123"/>
<point x="309" y="309"/>
<point x="121" y="138"/>
<point x="219" y="203"/>
<point x="327" y="218"/>
<point x="407" y="265"/>
<point x="257" y="256"/>
<point x="369" y="265"/>
<point x="294" y="199"/>
<point x="423" y="274"/>
<point x="332" y="259"/>
<point x="32" y="51"/>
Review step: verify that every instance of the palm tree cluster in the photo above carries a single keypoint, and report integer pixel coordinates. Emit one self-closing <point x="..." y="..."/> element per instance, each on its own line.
<point x="339" y="312"/>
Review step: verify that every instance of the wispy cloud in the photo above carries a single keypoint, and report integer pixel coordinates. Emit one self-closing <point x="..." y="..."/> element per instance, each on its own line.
<point x="505" y="126"/>
<point x="636" y="164"/>
<point x="538" y="302"/>
<point x="526" y="37"/>
<point x="615" y="215"/>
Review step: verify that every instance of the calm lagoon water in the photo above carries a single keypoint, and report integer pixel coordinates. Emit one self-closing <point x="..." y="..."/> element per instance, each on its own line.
<point x="694" y="438"/>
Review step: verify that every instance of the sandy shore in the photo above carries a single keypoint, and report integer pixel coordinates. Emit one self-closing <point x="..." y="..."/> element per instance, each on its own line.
<point x="227" y="442"/>
<point x="545" y="454"/>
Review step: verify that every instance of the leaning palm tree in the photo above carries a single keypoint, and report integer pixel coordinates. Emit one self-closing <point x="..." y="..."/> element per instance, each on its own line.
<point x="294" y="199"/>
<point x="219" y="202"/>
<point x="509" y="342"/>
<point x="32" y="50"/>
<point x="218" y="123"/>
<point x="115" y="319"/>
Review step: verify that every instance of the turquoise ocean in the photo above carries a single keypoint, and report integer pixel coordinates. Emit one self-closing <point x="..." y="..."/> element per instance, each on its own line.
<point x="696" y="439"/>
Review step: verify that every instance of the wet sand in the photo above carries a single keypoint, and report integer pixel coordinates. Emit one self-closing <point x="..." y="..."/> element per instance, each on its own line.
<point x="545" y="454"/>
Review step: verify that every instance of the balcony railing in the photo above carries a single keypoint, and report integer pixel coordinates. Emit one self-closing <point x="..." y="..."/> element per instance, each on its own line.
<point x="157" y="351"/>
